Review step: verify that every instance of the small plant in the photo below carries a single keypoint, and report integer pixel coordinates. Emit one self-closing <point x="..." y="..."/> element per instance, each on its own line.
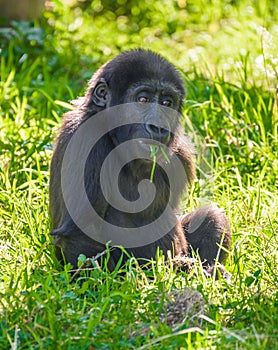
<point x="154" y="150"/>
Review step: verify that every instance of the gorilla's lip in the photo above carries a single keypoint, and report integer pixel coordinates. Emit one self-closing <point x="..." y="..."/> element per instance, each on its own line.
<point x="146" y="144"/>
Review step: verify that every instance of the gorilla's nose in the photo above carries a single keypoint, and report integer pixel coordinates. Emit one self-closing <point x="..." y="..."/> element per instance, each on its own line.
<point x="159" y="134"/>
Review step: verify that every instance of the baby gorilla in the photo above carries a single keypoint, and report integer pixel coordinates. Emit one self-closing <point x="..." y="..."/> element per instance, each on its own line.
<point x="145" y="79"/>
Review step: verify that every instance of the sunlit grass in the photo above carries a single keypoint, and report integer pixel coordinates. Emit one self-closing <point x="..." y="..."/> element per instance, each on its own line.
<point x="230" y="114"/>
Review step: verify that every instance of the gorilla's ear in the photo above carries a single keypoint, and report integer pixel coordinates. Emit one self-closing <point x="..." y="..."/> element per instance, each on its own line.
<point x="100" y="93"/>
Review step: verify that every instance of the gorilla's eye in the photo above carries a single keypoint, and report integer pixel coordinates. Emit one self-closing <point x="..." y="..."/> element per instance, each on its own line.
<point x="143" y="99"/>
<point x="166" y="103"/>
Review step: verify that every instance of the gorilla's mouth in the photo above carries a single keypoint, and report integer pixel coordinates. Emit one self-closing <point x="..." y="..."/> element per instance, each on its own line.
<point x="148" y="144"/>
<point x="152" y="148"/>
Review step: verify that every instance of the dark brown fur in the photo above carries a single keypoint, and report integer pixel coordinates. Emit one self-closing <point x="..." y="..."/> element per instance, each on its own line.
<point x="119" y="75"/>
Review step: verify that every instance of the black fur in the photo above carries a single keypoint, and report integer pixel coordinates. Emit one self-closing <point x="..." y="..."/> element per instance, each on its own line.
<point x="114" y="84"/>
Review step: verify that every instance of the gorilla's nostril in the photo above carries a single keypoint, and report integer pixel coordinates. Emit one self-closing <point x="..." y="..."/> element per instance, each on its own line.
<point x="152" y="129"/>
<point x="159" y="134"/>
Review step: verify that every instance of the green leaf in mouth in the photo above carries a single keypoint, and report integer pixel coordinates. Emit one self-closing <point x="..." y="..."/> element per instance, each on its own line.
<point x="153" y="151"/>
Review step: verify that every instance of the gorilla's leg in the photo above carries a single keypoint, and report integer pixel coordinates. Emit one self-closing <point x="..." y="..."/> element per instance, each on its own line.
<point x="208" y="234"/>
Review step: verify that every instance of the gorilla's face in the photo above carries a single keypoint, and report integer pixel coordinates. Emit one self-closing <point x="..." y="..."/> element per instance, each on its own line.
<point x="156" y="105"/>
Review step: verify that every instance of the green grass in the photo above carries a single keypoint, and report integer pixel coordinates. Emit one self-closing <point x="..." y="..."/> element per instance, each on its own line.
<point x="226" y="52"/>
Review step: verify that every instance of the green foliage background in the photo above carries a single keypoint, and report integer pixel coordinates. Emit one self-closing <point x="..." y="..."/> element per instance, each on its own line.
<point x="227" y="53"/>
